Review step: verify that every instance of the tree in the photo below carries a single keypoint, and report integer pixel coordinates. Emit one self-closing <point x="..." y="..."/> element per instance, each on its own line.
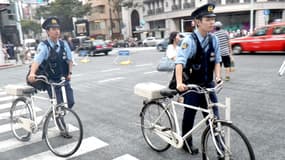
<point x="64" y="10"/>
<point x="30" y="26"/>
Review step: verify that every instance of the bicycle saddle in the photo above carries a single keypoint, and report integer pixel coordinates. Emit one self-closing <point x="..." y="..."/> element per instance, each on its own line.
<point x="168" y="92"/>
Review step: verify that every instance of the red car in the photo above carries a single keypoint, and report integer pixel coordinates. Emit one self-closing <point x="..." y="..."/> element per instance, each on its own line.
<point x="267" y="38"/>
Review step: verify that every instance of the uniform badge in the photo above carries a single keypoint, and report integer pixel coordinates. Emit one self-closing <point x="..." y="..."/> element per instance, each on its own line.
<point x="53" y="21"/>
<point x="210" y="8"/>
<point x="184" y="45"/>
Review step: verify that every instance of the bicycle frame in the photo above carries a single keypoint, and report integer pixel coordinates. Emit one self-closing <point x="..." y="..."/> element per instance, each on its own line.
<point x="53" y="105"/>
<point x="176" y="139"/>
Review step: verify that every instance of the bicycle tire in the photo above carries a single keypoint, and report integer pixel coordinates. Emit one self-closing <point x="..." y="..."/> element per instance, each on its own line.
<point x="66" y="121"/>
<point x="238" y="147"/>
<point x="151" y="138"/>
<point x="20" y="109"/>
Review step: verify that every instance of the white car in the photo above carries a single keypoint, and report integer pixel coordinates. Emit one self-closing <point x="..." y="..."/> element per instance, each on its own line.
<point x="151" y="41"/>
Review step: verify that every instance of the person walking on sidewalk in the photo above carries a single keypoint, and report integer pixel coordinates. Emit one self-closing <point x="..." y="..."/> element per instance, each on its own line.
<point x="173" y="45"/>
<point x="199" y="58"/>
<point x="225" y="48"/>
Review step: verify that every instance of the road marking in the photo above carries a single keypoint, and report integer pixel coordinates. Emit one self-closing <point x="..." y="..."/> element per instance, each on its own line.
<point x="111" y="79"/>
<point x="2" y="93"/>
<point x="142" y="65"/>
<point x="13" y="143"/>
<point x="6" y="98"/>
<point x="110" y="70"/>
<point x="126" y="157"/>
<point x="6" y="115"/>
<point x="150" y="72"/>
<point x="5" y="105"/>
<point x="87" y="145"/>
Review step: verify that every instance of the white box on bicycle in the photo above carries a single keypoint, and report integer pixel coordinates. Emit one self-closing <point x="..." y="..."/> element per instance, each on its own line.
<point x="148" y="90"/>
<point x="17" y="89"/>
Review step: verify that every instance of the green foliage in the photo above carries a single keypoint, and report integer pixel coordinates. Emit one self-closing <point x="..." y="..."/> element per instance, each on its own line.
<point x="64" y="10"/>
<point x="28" y="26"/>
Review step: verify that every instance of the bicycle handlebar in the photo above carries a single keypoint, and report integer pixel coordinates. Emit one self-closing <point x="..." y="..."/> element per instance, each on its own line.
<point x="45" y="79"/>
<point x="198" y="88"/>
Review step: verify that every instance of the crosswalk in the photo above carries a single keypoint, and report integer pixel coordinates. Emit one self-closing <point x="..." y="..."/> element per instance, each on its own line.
<point x="9" y="144"/>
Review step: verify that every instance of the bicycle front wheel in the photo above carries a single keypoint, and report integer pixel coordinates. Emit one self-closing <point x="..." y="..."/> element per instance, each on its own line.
<point x="230" y="140"/>
<point x="63" y="134"/>
<point x="154" y="116"/>
<point x="20" y="112"/>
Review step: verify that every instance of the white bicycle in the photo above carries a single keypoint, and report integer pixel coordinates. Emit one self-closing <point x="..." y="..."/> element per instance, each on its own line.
<point x="62" y="127"/>
<point x="221" y="139"/>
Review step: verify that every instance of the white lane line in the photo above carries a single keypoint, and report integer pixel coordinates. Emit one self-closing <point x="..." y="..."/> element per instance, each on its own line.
<point x="2" y="93"/>
<point x="150" y="72"/>
<point x="13" y="143"/>
<point x="111" y="79"/>
<point x="6" y="98"/>
<point x="5" y="105"/>
<point x="88" y="144"/>
<point x="126" y="157"/>
<point x="110" y="70"/>
<point x="142" y="65"/>
<point x="6" y="115"/>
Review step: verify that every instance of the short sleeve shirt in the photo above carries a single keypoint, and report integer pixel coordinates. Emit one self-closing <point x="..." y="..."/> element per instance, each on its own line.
<point x="43" y="51"/>
<point x="188" y="48"/>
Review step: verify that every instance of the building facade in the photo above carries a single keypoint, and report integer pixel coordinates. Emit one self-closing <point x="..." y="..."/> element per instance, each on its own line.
<point x="105" y="20"/>
<point x="164" y="16"/>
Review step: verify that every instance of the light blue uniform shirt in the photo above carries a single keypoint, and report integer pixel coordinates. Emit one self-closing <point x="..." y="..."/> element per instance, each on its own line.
<point x="188" y="52"/>
<point x="43" y="51"/>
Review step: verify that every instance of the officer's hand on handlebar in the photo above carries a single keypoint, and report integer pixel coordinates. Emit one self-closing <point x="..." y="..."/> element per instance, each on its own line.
<point x="181" y="87"/>
<point x="32" y="77"/>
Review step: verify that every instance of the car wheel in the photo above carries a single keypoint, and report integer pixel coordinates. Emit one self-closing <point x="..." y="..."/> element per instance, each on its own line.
<point x="237" y="49"/>
<point x="106" y="53"/>
<point x="145" y="45"/>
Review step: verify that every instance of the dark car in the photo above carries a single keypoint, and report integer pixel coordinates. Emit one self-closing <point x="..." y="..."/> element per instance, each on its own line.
<point x="162" y="46"/>
<point x="92" y="47"/>
<point x="121" y="43"/>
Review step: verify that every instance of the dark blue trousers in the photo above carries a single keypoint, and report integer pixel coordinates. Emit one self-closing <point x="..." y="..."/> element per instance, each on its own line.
<point x="199" y="100"/>
<point x="69" y="94"/>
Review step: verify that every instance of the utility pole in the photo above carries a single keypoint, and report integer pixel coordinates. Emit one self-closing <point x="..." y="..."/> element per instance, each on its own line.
<point x="251" y="16"/>
<point x="111" y="24"/>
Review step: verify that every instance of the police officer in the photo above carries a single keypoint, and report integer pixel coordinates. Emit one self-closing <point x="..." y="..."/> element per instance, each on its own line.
<point x="64" y="59"/>
<point x="201" y="47"/>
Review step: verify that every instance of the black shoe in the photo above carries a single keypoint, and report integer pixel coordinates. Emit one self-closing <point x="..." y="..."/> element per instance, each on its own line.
<point x="193" y="150"/>
<point x="65" y="134"/>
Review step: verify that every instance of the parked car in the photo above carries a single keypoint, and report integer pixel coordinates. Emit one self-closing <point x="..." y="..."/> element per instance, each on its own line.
<point x="94" y="47"/>
<point x="151" y="41"/>
<point x="267" y="38"/>
<point x="121" y="43"/>
<point x="162" y="45"/>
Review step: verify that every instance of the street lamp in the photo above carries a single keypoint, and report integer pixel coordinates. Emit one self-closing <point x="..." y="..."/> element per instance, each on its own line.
<point x="110" y="16"/>
<point x="251" y="16"/>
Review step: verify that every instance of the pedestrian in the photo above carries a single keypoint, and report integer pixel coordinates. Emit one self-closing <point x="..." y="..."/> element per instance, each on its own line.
<point x="225" y="48"/>
<point x="202" y="47"/>
<point x="68" y="40"/>
<point x="57" y="55"/>
<point x="173" y="45"/>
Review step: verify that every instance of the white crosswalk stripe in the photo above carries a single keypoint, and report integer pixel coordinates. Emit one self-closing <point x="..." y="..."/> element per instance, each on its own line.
<point x="126" y="157"/>
<point x="88" y="144"/>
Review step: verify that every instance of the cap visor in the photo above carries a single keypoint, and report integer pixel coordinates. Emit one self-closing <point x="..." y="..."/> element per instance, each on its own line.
<point x="210" y="15"/>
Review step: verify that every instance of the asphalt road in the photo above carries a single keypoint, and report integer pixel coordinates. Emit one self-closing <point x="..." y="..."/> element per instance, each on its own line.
<point x="109" y="109"/>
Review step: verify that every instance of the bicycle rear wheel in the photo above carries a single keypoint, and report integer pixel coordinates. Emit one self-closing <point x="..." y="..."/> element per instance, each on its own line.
<point x="154" y="114"/>
<point x="20" y="110"/>
<point x="230" y="140"/>
<point x="64" y="135"/>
